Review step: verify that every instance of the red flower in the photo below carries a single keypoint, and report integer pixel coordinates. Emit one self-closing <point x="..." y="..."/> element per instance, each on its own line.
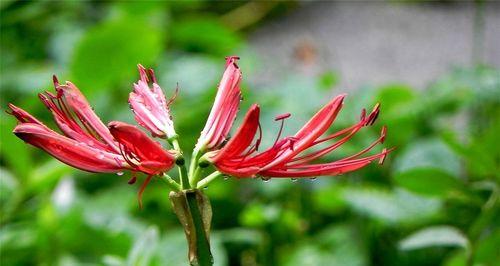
<point x="150" y="106"/>
<point x="291" y="156"/>
<point x="87" y="144"/>
<point x="225" y="108"/>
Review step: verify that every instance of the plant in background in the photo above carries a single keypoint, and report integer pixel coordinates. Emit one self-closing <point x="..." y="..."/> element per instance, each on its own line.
<point x="87" y="144"/>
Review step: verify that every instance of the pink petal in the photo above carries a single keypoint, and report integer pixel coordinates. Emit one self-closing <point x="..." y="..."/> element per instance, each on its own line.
<point x="150" y="107"/>
<point x="224" y="109"/>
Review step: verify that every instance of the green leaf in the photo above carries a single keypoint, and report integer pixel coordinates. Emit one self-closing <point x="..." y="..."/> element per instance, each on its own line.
<point x="486" y="250"/>
<point x="483" y="154"/>
<point x="328" y="80"/>
<point x="14" y="150"/>
<point x="110" y="207"/>
<point x="345" y="245"/>
<point x="195" y="74"/>
<point x="256" y="214"/>
<point x="308" y="255"/>
<point x="458" y="258"/>
<point x="17" y="236"/>
<point x="397" y="112"/>
<point x="144" y="248"/>
<point x="112" y="260"/>
<point x="241" y="235"/>
<point x="391" y="207"/>
<point x="8" y="186"/>
<point x="337" y="245"/>
<point x="328" y="199"/>
<point x="426" y="153"/>
<point x="46" y="175"/>
<point x="396" y="101"/>
<point x="427" y="181"/>
<point x="205" y="35"/>
<point x="435" y="236"/>
<point x="108" y="53"/>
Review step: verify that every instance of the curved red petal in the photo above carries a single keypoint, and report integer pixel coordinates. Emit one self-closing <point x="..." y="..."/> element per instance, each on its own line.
<point x="147" y="150"/>
<point x="80" y="106"/>
<point x="312" y="130"/>
<point x="243" y="136"/>
<point x="71" y="152"/>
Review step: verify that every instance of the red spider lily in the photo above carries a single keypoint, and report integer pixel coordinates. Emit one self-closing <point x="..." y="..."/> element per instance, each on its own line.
<point x="225" y="108"/>
<point x="86" y="143"/>
<point x="150" y="106"/>
<point x="289" y="156"/>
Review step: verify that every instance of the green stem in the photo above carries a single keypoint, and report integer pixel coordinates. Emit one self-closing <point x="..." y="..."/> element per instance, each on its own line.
<point x="194" y="163"/>
<point x="176" y="145"/>
<point x="194" y="171"/>
<point x="184" y="177"/>
<point x="204" y="255"/>
<point x="193" y="209"/>
<point x="195" y="177"/>
<point x="208" y="179"/>
<point x="170" y="182"/>
<point x="183" y="174"/>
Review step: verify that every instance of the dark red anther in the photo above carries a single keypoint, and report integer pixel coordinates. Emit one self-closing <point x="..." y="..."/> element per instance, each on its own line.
<point x="132" y="180"/>
<point x="55" y="80"/>
<point x="142" y="73"/>
<point x="383" y="133"/>
<point x="152" y="74"/>
<point x="363" y="115"/>
<point x="382" y="159"/>
<point x="282" y="116"/>
<point x="232" y="60"/>
<point x="373" y="115"/>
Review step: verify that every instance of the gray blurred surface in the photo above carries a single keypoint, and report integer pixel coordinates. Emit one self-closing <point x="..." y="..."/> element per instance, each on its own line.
<point x="377" y="42"/>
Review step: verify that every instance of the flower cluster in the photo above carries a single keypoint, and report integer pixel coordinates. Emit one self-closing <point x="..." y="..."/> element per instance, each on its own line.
<point x="87" y="144"/>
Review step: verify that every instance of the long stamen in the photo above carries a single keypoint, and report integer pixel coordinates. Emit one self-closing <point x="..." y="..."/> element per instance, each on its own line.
<point x="373" y="144"/>
<point x="171" y="100"/>
<point x="70" y="118"/>
<point x="250" y="151"/>
<point x="126" y="155"/>
<point x="143" y="187"/>
<point x="317" y="154"/>
<point x="281" y="118"/>
<point x="259" y="139"/>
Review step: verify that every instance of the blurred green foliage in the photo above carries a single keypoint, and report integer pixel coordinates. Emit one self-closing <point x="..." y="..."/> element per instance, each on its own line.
<point x="434" y="202"/>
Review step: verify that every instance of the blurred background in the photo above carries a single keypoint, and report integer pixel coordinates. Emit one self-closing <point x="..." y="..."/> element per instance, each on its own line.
<point x="434" y="67"/>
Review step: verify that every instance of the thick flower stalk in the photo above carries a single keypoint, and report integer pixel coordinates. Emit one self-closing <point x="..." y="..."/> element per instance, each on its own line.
<point x="87" y="144"/>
